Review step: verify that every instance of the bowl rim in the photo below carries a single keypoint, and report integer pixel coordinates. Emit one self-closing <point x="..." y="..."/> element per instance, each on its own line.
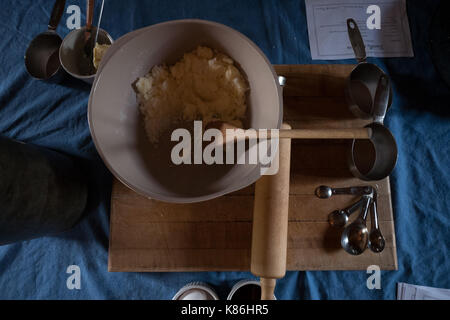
<point x="187" y="199"/>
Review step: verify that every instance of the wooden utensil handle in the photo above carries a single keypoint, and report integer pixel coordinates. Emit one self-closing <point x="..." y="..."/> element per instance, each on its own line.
<point x="89" y="14"/>
<point x="350" y="133"/>
<point x="329" y="134"/>
<point x="358" y="133"/>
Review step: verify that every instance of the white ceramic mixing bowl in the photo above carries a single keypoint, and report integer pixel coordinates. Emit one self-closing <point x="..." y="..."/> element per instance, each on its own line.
<point x="117" y="128"/>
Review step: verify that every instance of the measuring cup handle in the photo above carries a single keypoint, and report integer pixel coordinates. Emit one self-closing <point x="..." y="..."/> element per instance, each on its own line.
<point x="57" y="12"/>
<point x="356" y="40"/>
<point x="381" y="100"/>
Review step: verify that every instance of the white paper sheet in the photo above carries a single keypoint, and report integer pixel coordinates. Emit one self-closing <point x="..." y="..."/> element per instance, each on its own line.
<point x="327" y="28"/>
<point x="412" y="292"/>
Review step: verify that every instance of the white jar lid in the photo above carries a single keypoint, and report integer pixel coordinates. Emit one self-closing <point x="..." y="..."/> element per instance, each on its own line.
<point x="196" y="291"/>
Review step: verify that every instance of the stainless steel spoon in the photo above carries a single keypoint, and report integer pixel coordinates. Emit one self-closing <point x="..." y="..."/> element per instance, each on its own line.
<point x="355" y="237"/>
<point x="325" y="192"/>
<point x="376" y="239"/>
<point x="339" y="218"/>
<point x="99" y="22"/>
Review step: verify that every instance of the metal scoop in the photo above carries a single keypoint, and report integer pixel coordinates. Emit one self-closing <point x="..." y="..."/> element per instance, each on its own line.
<point x="362" y="82"/>
<point x="374" y="159"/>
<point x="42" y="55"/>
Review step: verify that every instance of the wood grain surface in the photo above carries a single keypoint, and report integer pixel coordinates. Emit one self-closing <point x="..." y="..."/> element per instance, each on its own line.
<point x="150" y="236"/>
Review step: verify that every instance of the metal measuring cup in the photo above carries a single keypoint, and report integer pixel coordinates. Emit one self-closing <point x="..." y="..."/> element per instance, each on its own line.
<point x="73" y="57"/>
<point x="362" y="82"/>
<point x="42" y="55"/>
<point x="374" y="159"/>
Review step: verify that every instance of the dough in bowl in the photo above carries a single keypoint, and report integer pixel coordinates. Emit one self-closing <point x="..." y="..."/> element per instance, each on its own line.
<point x="204" y="85"/>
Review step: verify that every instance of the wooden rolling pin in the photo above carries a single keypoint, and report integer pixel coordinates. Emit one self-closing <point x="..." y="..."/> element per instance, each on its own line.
<point x="270" y="223"/>
<point x="352" y="133"/>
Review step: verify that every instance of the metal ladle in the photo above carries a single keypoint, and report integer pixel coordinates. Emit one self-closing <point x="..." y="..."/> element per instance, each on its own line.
<point x="362" y="82"/>
<point x="41" y="58"/>
<point x="325" y="192"/>
<point x="355" y="237"/>
<point x="376" y="239"/>
<point x="339" y="218"/>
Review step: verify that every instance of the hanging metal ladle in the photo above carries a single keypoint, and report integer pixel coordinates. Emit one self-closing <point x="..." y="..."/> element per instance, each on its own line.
<point x="42" y="55"/>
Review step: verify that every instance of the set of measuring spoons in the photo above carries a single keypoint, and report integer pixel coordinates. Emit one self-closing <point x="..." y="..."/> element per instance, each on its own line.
<point x="355" y="236"/>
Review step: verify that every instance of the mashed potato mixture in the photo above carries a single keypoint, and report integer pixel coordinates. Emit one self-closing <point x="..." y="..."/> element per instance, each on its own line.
<point x="99" y="52"/>
<point x="203" y="85"/>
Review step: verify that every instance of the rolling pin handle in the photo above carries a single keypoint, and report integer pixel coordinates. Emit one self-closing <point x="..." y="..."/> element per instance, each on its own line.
<point x="268" y="288"/>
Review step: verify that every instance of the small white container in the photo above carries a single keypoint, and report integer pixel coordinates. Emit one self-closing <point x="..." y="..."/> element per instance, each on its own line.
<point x="196" y="291"/>
<point x="72" y="56"/>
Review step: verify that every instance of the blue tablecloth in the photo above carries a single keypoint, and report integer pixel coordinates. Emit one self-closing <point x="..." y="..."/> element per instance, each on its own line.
<point x="55" y="116"/>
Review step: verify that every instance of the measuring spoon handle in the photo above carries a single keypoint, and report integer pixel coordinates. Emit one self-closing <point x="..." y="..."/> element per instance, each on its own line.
<point x="352" y="190"/>
<point x="365" y="209"/>
<point x="375" y="215"/>
<point x="349" y="210"/>
<point x="57" y="12"/>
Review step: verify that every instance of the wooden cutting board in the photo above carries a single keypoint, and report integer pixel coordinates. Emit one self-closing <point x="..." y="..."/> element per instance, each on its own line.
<point x="148" y="235"/>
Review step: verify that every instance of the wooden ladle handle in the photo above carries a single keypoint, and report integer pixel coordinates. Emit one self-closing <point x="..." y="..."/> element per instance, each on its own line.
<point x="352" y="133"/>
<point x="89" y="14"/>
<point x="358" y="133"/>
